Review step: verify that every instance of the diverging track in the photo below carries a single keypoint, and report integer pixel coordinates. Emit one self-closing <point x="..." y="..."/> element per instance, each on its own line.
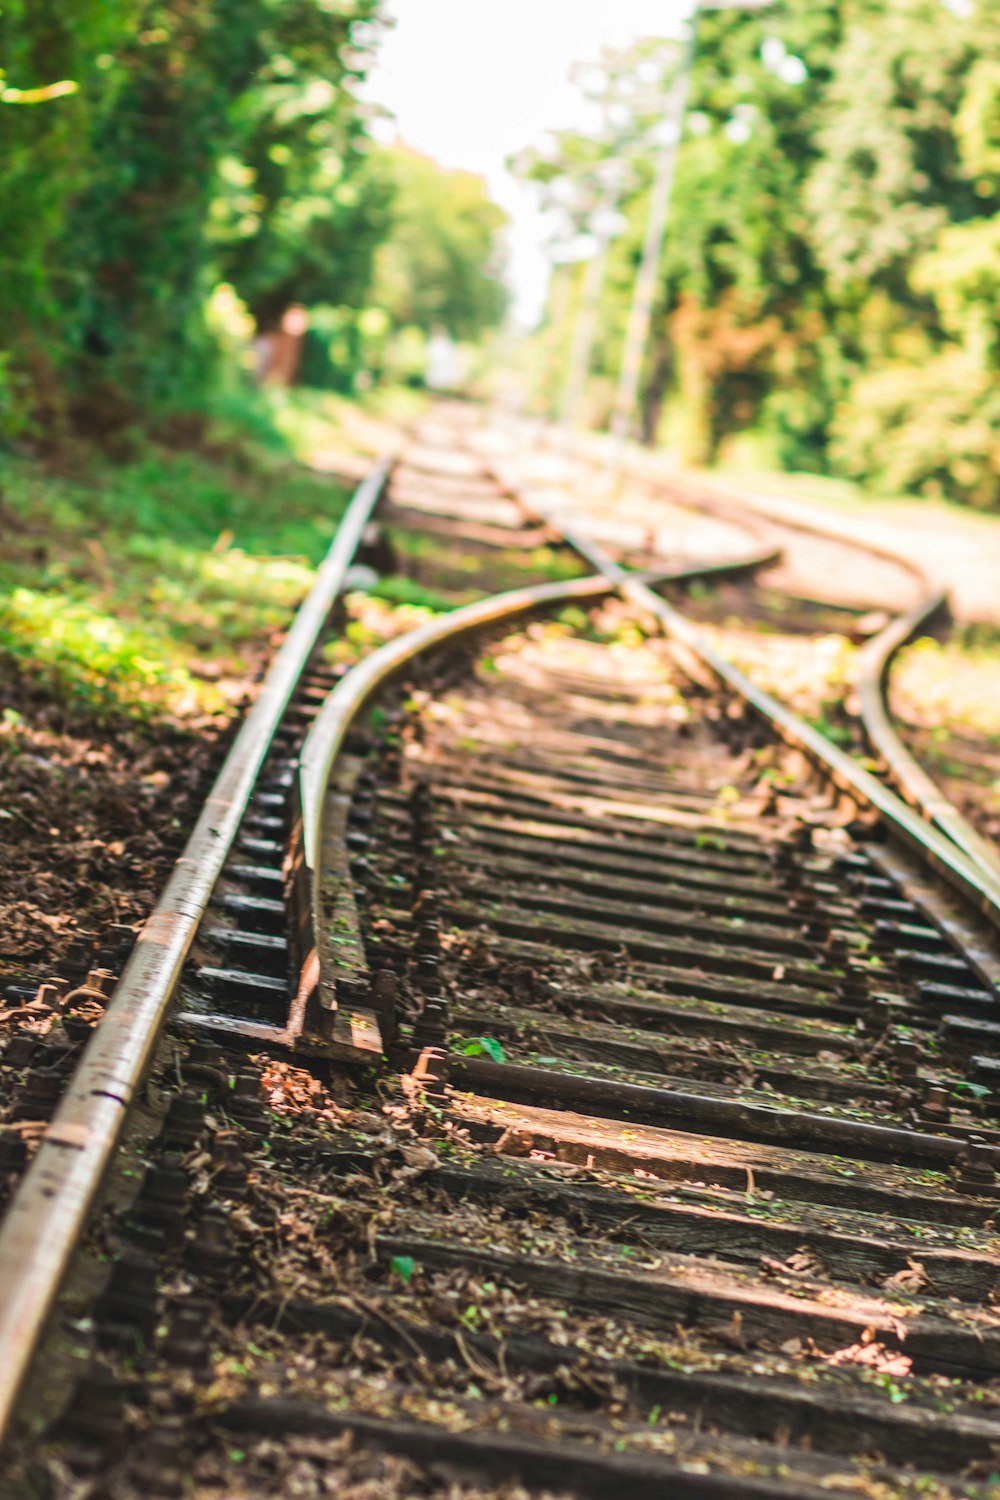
<point x="679" y="1175"/>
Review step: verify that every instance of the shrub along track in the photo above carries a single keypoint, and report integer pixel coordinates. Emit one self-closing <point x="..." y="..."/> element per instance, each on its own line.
<point x="681" y="1178"/>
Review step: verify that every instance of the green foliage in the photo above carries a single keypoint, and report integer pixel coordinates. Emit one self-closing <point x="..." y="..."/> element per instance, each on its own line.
<point x="142" y="220"/>
<point x="15" y="402"/>
<point x="930" y="428"/>
<point x="889" y="176"/>
<point x="398" y="589"/>
<point x="403" y="1266"/>
<point x="85" y="653"/>
<point x="201" y="555"/>
<point x="480" y="1045"/>
<point x="962" y="275"/>
<point x="830" y="261"/>
<point x="200" y="132"/>
<point x="439" y="265"/>
<point x="977" y="125"/>
<point x="153" y="148"/>
<point x="426" y="255"/>
<point x="44" y="144"/>
<point x="299" y="212"/>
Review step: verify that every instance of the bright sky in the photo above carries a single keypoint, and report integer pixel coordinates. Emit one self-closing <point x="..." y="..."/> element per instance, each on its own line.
<point x="470" y="82"/>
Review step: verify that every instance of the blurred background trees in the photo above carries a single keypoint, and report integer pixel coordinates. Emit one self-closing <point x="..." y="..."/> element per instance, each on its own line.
<point x="830" y="285"/>
<point x="436" y="266"/>
<point x="153" y="149"/>
<point x="828" y="296"/>
<point x="439" y="265"/>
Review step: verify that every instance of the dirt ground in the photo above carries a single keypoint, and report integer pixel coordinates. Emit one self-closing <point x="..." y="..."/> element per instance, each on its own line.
<point x="94" y="815"/>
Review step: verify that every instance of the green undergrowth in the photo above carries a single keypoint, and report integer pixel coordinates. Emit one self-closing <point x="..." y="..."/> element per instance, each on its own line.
<point x="946" y="694"/>
<point x="400" y="590"/>
<point x="144" y="586"/>
<point x="606" y="627"/>
<point x="952" y="685"/>
<point x="373" y="619"/>
<point x="307" y="419"/>
<point x="469" y="571"/>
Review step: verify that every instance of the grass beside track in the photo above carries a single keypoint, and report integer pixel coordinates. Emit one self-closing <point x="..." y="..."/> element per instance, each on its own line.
<point x="147" y="584"/>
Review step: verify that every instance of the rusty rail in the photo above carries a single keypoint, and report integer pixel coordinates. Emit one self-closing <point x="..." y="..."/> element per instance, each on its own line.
<point x="977" y="884"/>
<point x="913" y="781"/>
<point x="915" y="786"/>
<point x="47" y="1215"/>
<point x="326" y="738"/>
<point x="704" y="1300"/>
<point x="49" y="1211"/>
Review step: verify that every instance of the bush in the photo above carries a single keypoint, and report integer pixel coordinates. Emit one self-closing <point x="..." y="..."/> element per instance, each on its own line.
<point x="15" y="414"/>
<point x="931" y="429"/>
<point x="89" y="655"/>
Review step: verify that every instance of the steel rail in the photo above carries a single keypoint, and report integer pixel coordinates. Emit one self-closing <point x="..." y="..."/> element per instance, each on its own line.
<point x="759" y="523"/>
<point x="717" y="501"/>
<point x="47" y="1216"/>
<point x="49" y="1210"/>
<point x="318" y="761"/>
<point x="975" y="883"/>
<point x="423" y="1440"/>
<point x="347" y="700"/>
<point x="914" y="783"/>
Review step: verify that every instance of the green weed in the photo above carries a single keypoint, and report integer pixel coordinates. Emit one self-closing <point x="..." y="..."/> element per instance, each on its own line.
<point x="133" y="587"/>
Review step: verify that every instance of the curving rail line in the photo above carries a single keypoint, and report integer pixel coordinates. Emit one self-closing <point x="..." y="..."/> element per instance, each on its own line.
<point x="339" y="1011"/>
<point x="348" y="700"/>
<point x="900" y="766"/>
<point x="913" y="781"/>
<point x="978" y="882"/>
<point x="47" y="1215"/>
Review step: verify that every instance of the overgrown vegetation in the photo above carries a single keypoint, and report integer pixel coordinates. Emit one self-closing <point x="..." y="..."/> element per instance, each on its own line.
<point x="831" y="276"/>
<point x="148" y="586"/>
<point x="154" y="149"/>
<point x="184" y="186"/>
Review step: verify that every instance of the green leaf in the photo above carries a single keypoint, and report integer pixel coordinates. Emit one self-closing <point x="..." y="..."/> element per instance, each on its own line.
<point x="487" y="1044"/>
<point x="404" y="1266"/>
<point x="977" y="1090"/>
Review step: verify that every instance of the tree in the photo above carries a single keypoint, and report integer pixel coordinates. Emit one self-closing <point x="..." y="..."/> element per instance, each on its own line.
<point x="890" y="175"/>
<point x="209" y="82"/>
<point x="834" y="227"/>
<point x="126" y="244"/>
<point x="736" y="257"/>
<point x="441" y="262"/>
<point x="925" y="418"/>
<point x="57" y="78"/>
<point x="299" y="209"/>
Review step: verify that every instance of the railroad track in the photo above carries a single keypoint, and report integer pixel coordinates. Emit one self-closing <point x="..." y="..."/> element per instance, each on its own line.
<point x="680" y="1173"/>
<point x="931" y="772"/>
